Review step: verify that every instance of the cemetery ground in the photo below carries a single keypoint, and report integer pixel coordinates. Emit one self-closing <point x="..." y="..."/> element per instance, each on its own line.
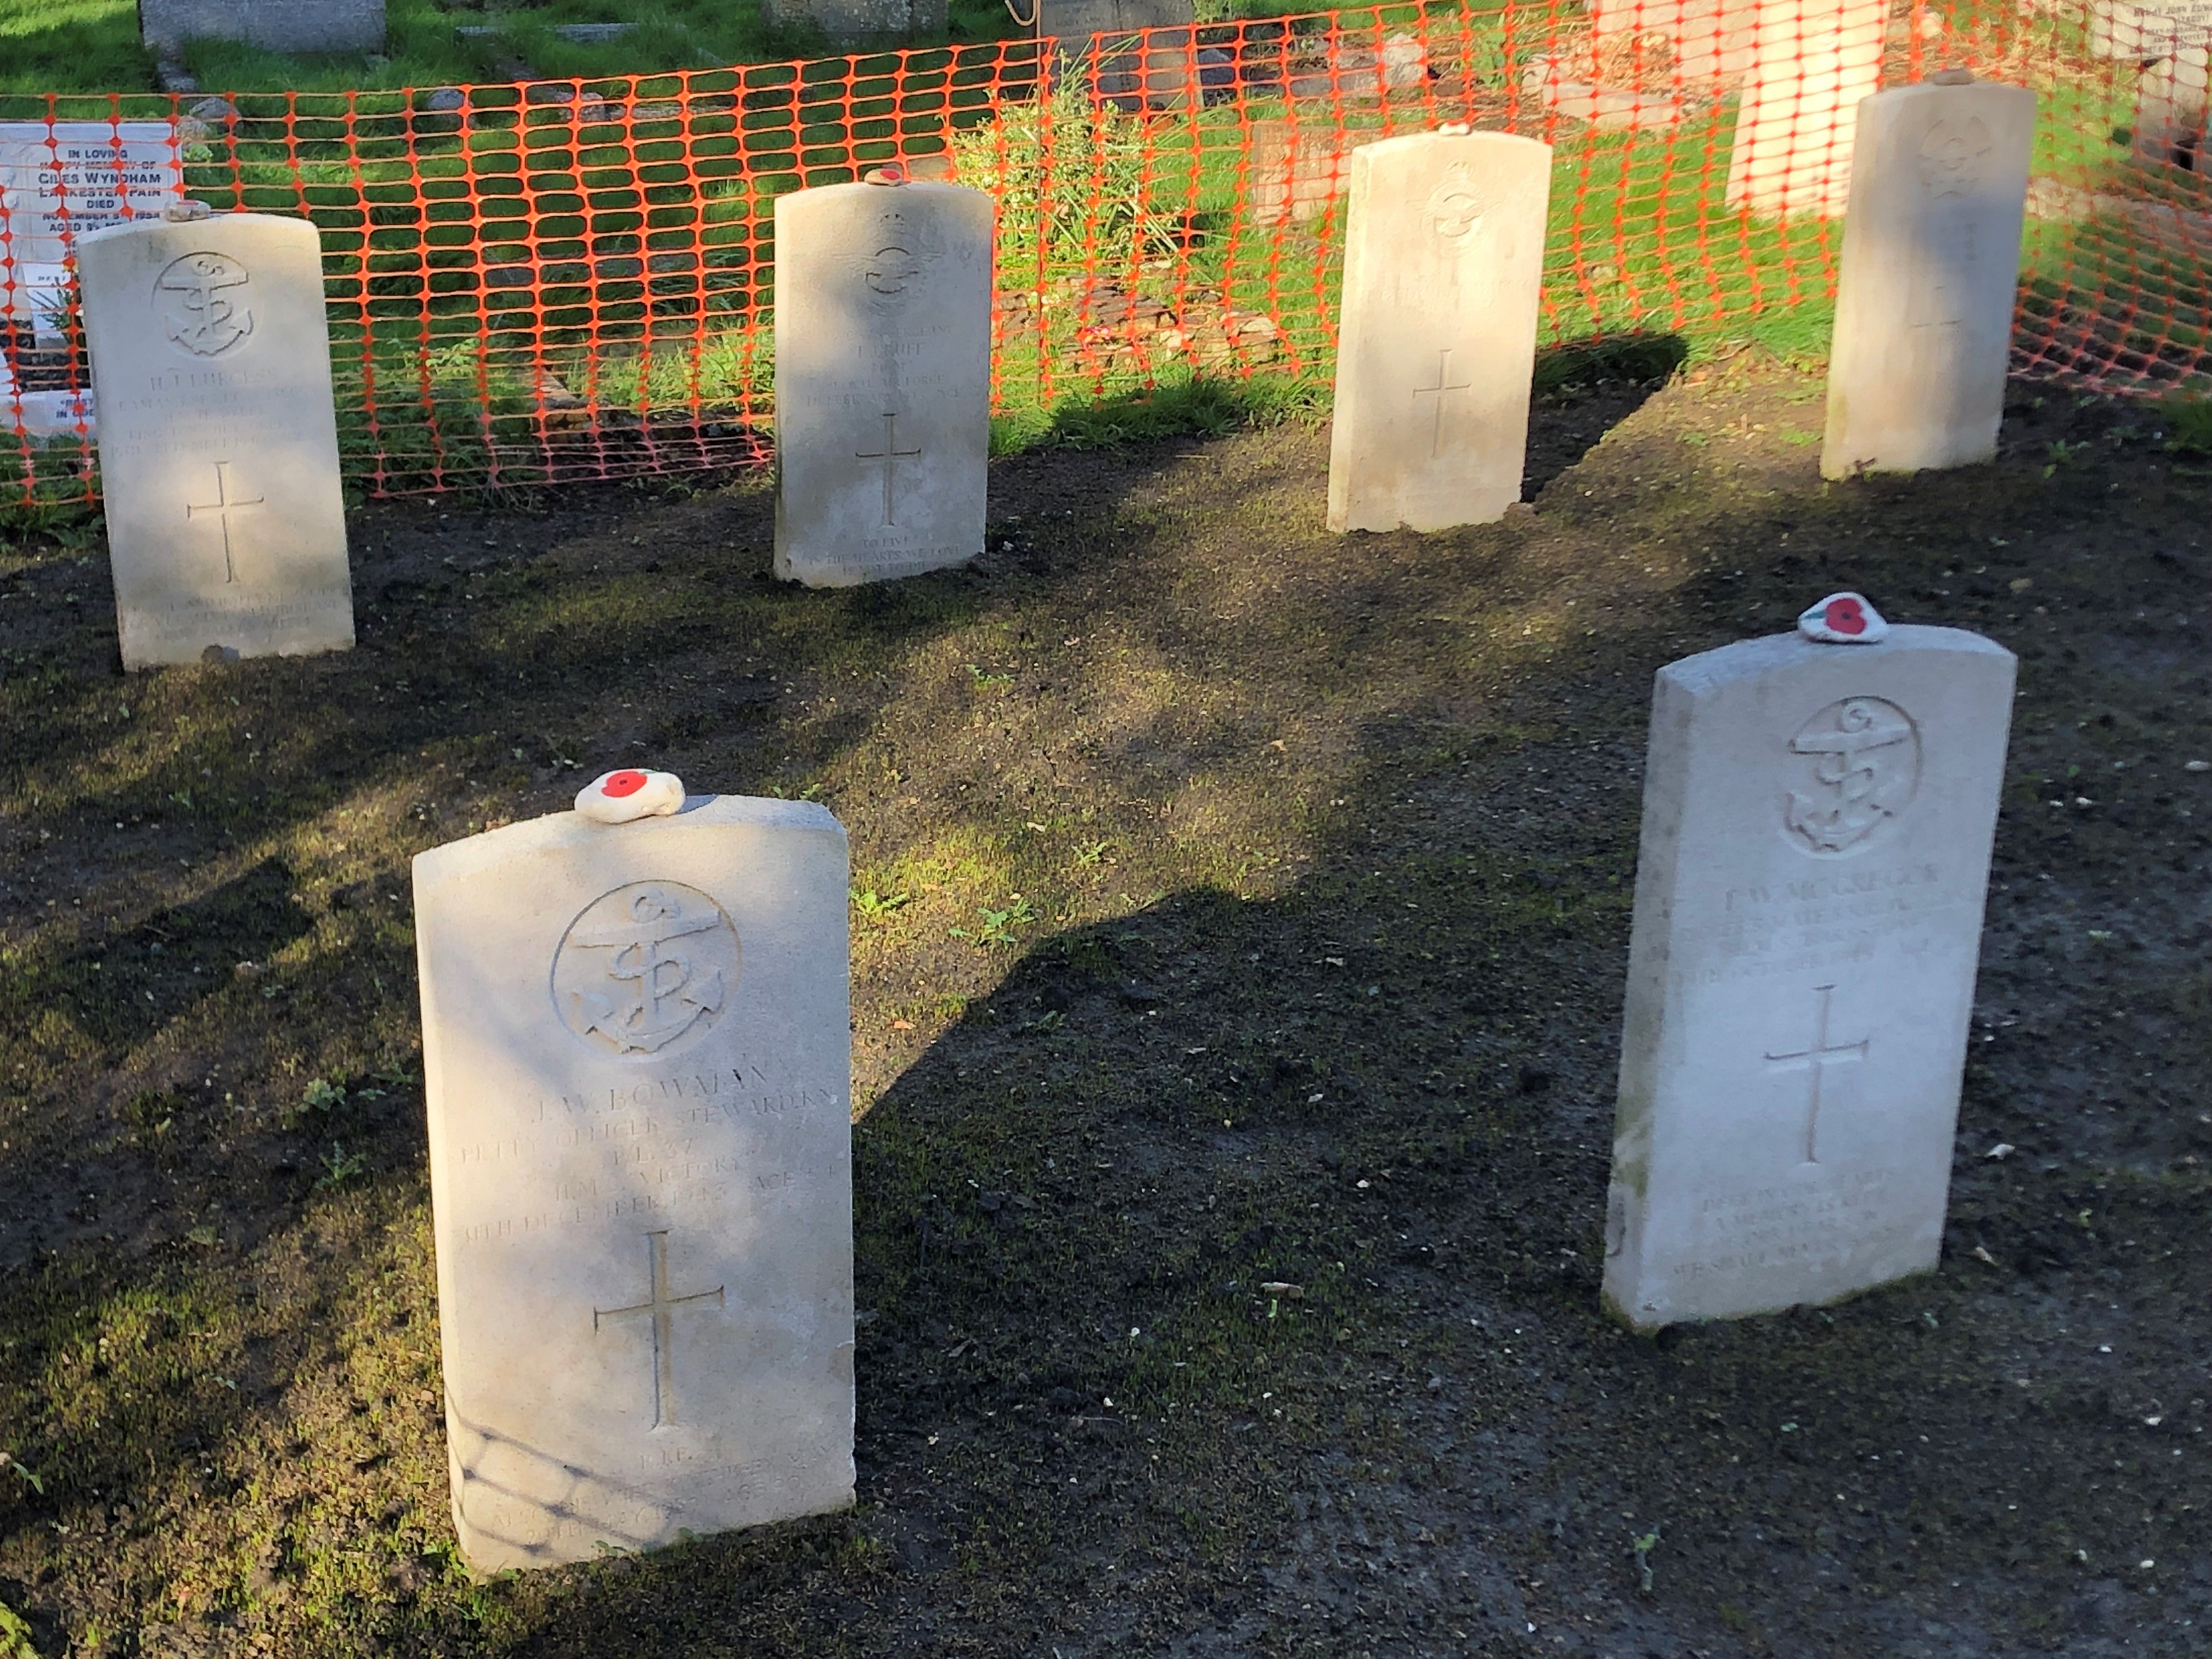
<point x="1240" y="919"/>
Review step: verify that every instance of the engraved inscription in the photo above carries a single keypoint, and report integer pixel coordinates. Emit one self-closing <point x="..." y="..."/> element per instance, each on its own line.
<point x="202" y="299"/>
<point x="1454" y="210"/>
<point x="1444" y="387"/>
<point x="645" y="971"/>
<point x="1815" y="1060"/>
<point x="660" y="1309"/>
<point x="890" y="455"/>
<point x="1780" y="1227"/>
<point x="890" y="271"/>
<point x="1863" y="757"/>
<point x="220" y="508"/>
<point x="1954" y="154"/>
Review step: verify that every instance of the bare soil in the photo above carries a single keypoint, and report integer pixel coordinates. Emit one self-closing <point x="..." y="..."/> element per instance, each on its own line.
<point x="1239" y="916"/>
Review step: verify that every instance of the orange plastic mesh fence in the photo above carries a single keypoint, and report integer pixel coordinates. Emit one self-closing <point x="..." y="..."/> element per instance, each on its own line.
<point x="575" y="279"/>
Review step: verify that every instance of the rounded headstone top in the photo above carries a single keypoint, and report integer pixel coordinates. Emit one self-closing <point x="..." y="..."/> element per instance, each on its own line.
<point x="630" y="794"/>
<point x="1844" y="619"/>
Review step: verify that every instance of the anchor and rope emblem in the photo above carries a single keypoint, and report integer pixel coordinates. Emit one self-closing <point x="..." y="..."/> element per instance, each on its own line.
<point x="646" y="968"/>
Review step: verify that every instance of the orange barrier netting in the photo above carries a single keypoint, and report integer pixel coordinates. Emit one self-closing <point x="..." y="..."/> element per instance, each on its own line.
<point x="574" y="280"/>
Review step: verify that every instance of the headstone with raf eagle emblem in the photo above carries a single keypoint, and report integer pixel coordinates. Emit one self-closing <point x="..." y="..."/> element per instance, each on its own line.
<point x="1818" y="810"/>
<point x="883" y="379"/>
<point x="218" y="438"/>
<point x="638" y="1066"/>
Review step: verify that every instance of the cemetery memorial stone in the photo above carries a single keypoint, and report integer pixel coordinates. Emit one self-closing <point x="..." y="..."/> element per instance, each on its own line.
<point x="218" y="438"/>
<point x="861" y="22"/>
<point x="883" y="361"/>
<point x="272" y="25"/>
<point x="2170" y="44"/>
<point x="1443" y="259"/>
<point x="1134" y="53"/>
<point x="1930" y="264"/>
<point x="1811" y="61"/>
<point x="638" y="1067"/>
<point x="1708" y="41"/>
<point x="59" y="181"/>
<point x="1817" y="823"/>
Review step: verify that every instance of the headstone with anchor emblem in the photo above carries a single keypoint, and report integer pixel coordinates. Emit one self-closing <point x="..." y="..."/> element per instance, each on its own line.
<point x="1931" y="270"/>
<point x="883" y="368"/>
<point x="1817" y="821"/>
<point x="638" y="1066"/>
<point x="218" y="438"/>
<point x="1443" y="259"/>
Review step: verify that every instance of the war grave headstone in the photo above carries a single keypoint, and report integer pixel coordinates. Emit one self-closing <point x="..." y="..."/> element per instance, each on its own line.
<point x="1817" y="823"/>
<point x="638" y="1068"/>
<point x="1443" y="262"/>
<point x="1930" y="264"/>
<point x="1099" y="40"/>
<point x="218" y="438"/>
<point x="272" y="25"/>
<point x="58" y="180"/>
<point x="1812" y="62"/>
<point x="883" y="364"/>
<point x="2170" y="44"/>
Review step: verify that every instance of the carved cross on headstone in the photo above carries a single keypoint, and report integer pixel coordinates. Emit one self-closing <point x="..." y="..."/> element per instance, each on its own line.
<point x="890" y="455"/>
<point x="222" y="507"/>
<point x="660" y="1307"/>
<point x="1815" y="1060"/>
<point x="1438" y="391"/>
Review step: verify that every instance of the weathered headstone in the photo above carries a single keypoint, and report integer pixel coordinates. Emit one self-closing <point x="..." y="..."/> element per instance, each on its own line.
<point x="1443" y="259"/>
<point x="1812" y="62"/>
<point x="1707" y="40"/>
<point x="1133" y="52"/>
<point x="1930" y="264"/>
<point x="218" y="438"/>
<point x="638" y="1067"/>
<point x="883" y="364"/>
<point x="849" y="22"/>
<point x="272" y="25"/>
<point x="1817" y="821"/>
<point x="2170" y="44"/>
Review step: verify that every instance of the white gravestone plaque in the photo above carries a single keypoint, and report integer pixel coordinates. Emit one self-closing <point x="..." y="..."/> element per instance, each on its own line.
<point x="1930" y="265"/>
<point x="638" y="1065"/>
<point x="1442" y="267"/>
<point x="1817" y="821"/>
<point x="883" y="371"/>
<point x="60" y="180"/>
<point x="218" y="439"/>
<point x="1811" y="63"/>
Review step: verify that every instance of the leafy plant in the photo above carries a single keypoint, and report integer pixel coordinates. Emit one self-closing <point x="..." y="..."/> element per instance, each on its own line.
<point x="2189" y="425"/>
<point x="999" y="925"/>
<point x="14" y="1636"/>
<point x="878" y="907"/>
<point x="340" y="1166"/>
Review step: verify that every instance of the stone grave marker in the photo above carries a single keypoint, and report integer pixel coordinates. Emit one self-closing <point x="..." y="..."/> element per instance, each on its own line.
<point x="218" y="438"/>
<point x="2169" y="42"/>
<point x="1098" y="39"/>
<point x="638" y="1070"/>
<point x="1930" y="264"/>
<point x="1444" y="259"/>
<point x="859" y="21"/>
<point x="1817" y="821"/>
<point x="272" y="25"/>
<point x="1811" y="61"/>
<point x="883" y="364"/>
<point x="60" y="180"/>
<point x="1709" y="40"/>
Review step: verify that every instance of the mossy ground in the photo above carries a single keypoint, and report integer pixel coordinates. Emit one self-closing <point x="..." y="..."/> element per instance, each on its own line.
<point x="1237" y="908"/>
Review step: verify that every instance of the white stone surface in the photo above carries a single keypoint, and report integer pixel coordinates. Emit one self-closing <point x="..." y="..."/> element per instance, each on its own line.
<point x="2117" y="29"/>
<point x="1811" y="61"/>
<point x="61" y="179"/>
<point x="883" y="368"/>
<point x="638" y="1064"/>
<point x="218" y="438"/>
<point x="1817" y="821"/>
<point x="1709" y="40"/>
<point x="1442" y="268"/>
<point x="1930" y="267"/>
<point x="632" y="792"/>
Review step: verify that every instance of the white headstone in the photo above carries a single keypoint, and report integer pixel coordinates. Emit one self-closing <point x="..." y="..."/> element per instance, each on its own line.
<point x="1811" y="61"/>
<point x="638" y="1065"/>
<point x="218" y="438"/>
<point x="883" y="370"/>
<point x="1708" y="39"/>
<point x="60" y="180"/>
<point x="1136" y="53"/>
<point x="1443" y="265"/>
<point x="272" y="25"/>
<point x="2158" y="28"/>
<point x="1817" y="822"/>
<point x="1931" y="261"/>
